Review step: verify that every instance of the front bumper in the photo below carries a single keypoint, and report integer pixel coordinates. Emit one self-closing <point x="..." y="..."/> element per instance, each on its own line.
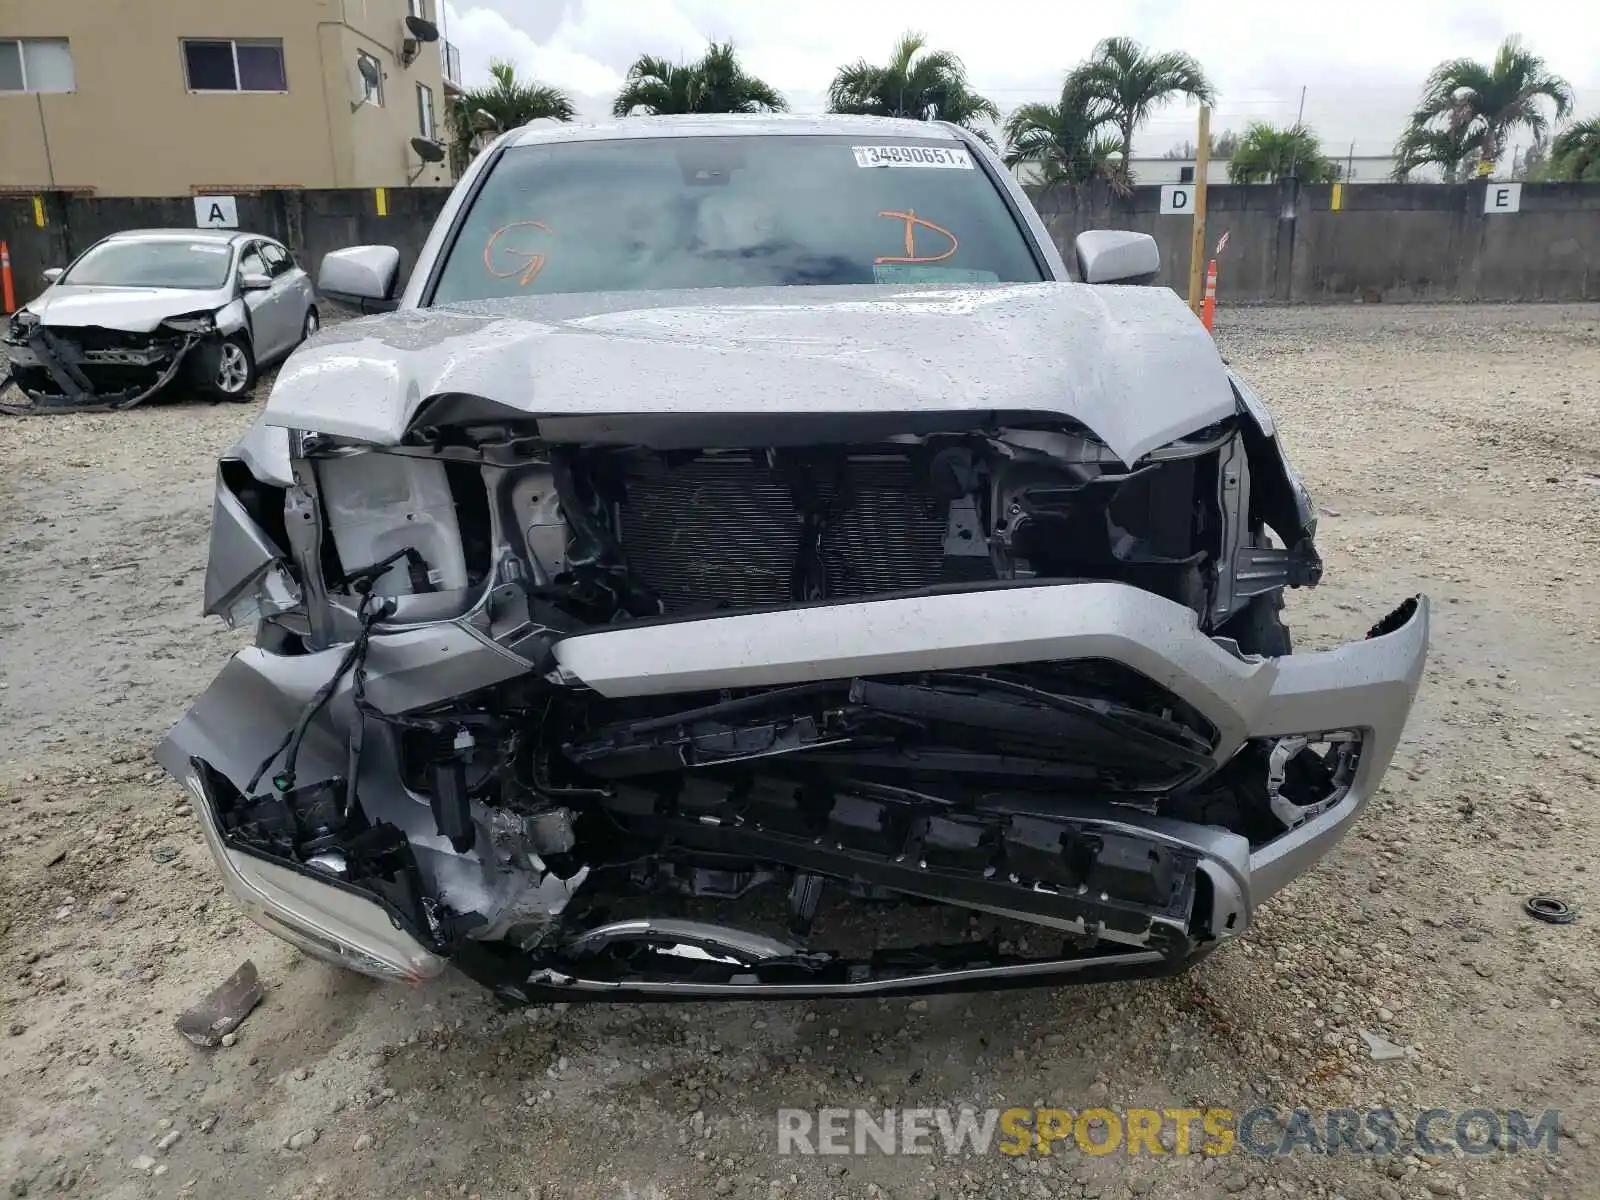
<point x="324" y="920"/>
<point x="1368" y="686"/>
<point x="81" y="379"/>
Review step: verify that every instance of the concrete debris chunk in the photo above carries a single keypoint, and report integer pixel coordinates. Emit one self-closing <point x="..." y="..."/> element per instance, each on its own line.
<point x="1381" y="1049"/>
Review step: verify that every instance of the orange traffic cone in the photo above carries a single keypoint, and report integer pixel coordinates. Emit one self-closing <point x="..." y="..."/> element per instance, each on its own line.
<point x="7" y="291"/>
<point x="1208" y="308"/>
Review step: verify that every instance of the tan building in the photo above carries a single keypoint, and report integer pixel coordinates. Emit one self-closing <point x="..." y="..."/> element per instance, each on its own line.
<point x="173" y="97"/>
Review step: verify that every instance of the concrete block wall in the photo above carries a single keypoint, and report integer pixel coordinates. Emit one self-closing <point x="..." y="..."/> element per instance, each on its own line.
<point x="1385" y="242"/>
<point x="1286" y="243"/>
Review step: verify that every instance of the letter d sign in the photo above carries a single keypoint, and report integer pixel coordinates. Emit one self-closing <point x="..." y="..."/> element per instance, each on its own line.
<point x="1177" y="199"/>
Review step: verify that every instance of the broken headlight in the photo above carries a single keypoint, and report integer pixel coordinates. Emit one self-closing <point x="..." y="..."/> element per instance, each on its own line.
<point x="1309" y="773"/>
<point x="21" y="325"/>
<point x="194" y="323"/>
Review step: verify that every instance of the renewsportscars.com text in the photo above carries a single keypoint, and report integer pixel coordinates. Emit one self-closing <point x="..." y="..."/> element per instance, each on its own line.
<point x="1264" y="1130"/>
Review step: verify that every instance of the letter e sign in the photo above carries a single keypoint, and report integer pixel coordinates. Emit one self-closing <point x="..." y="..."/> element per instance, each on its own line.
<point x="216" y="212"/>
<point x="1502" y="198"/>
<point x="1177" y="199"/>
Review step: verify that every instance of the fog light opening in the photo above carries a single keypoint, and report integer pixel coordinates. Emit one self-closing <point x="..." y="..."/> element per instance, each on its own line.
<point x="1309" y="773"/>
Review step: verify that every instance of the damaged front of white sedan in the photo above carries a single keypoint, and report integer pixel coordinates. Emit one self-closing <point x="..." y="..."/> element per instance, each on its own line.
<point x="744" y="526"/>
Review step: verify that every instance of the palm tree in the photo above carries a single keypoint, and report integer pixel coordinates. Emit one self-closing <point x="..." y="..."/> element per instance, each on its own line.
<point x="714" y="84"/>
<point x="1468" y="98"/>
<point x="1451" y="150"/>
<point x="1267" y="153"/>
<point x="923" y="84"/>
<point x="1063" y="140"/>
<point x="1136" y="83"/>
<point x="1575" y="154"/>
<point x="506" y="103"/>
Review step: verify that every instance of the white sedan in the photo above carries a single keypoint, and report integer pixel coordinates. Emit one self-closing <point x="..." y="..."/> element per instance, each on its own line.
<point x="141" y="308"/>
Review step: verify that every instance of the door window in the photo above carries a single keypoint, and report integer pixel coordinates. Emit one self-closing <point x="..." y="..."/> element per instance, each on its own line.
<point x="276" y="257"/>
<point x="252" y="263"/>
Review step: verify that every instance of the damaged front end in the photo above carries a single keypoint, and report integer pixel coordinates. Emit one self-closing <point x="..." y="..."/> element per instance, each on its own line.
<point x="95" y="369"/>
<point x="664" y="708"/>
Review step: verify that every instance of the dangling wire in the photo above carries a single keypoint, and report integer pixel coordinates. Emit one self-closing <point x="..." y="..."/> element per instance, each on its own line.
<point x="371" y="610"/>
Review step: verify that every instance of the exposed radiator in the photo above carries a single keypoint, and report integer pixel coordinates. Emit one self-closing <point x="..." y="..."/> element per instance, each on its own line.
<point x="725" y="533"/>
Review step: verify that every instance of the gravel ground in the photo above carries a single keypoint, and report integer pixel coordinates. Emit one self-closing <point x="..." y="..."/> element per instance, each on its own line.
<point x="1455" y="451"/>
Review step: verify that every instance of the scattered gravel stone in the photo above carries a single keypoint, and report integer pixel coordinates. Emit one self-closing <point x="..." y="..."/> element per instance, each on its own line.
<point x="363" y="1142"/>
<point x="1381" y="1049"/>
<point x="299" y="1141"/>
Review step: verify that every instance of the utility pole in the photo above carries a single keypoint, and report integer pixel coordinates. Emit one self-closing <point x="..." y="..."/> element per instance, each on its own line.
<point x="1299" y="121"/>
<point x="1197" y="244"/>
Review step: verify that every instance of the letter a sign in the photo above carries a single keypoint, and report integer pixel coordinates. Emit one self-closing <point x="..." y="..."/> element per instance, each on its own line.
<point x="216" y="212"/>
<point x="1177" y="199"/>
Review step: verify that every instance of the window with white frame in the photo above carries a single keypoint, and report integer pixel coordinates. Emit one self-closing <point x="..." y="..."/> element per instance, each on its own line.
<point x="234" y="66"/>
<point x="425" y="110"/>
<point x="371" y="73"/>
<point x="417" y="8"/>
<point x="36" y="65"/>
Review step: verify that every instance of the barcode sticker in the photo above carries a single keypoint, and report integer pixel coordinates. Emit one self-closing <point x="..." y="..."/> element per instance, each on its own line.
<point x="947" y="157"/>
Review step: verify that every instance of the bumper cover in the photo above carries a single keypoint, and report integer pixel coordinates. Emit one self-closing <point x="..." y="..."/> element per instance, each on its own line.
<point x="64" y="362"/>
<point x="1367" y="686"/>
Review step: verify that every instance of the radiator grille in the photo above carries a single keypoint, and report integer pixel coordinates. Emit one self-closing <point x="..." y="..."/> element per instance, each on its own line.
<point x="724" y="533"/>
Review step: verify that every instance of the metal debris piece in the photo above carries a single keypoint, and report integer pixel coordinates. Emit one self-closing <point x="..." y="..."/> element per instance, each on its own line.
<point x="221" y="1012"/>
<point x="1381" y="1048"/>
<point x="1548" y="908"/>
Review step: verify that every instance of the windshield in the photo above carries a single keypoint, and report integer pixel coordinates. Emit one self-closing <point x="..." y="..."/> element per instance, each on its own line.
<point x="697" y="212"/>
<point x="164" y="263"/>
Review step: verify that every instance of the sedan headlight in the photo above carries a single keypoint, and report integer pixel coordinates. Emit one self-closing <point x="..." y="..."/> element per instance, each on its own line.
<point x="197" y="323"/>
<point x="21" y="325"/>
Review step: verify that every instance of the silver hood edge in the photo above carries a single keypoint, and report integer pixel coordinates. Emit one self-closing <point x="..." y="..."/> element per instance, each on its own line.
<point x="1132" y="364"/>
<point x="130" y="309"/>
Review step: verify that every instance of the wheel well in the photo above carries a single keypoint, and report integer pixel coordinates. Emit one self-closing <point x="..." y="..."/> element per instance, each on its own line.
<point x="244" y="331"/>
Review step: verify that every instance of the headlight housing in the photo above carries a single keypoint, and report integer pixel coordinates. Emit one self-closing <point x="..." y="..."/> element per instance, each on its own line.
<point x="194" y="323"/>
<point x="21" y="323"/>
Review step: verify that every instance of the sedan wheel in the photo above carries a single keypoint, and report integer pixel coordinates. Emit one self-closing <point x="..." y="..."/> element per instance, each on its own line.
<point x="313" y="323"/>
<point x="233" y="369"/>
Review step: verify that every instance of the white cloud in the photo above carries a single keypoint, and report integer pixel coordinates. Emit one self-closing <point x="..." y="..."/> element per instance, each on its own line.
<point x="1361" y="63"/>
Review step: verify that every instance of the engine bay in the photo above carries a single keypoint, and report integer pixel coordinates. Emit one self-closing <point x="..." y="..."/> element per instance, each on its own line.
<point x="604" y="533"/>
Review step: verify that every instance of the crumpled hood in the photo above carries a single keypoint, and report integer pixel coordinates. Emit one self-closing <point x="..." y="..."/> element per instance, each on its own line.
<point x="133" y="309"/>
<point x="1130" y="363"/>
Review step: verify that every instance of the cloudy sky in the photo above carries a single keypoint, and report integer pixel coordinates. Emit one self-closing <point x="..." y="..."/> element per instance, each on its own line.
<point x="1359" y="61"/>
